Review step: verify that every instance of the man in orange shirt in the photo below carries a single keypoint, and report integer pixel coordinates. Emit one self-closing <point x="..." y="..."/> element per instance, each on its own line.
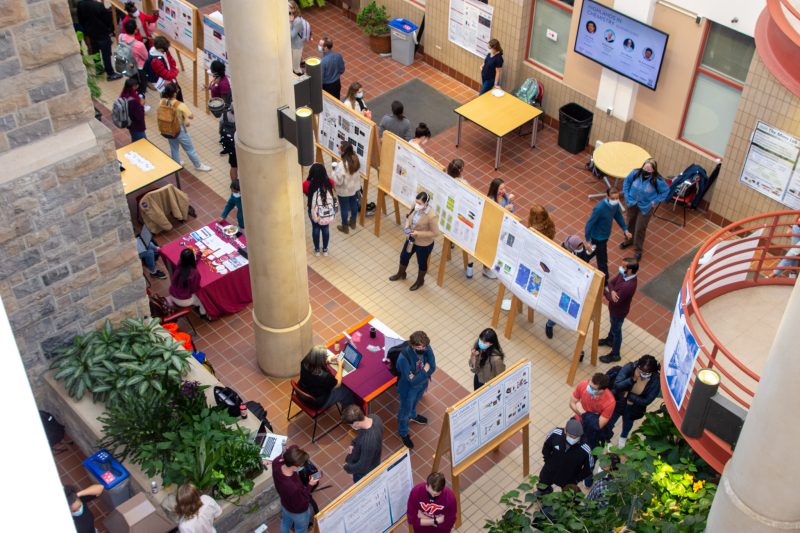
<point x="593" y="405"/>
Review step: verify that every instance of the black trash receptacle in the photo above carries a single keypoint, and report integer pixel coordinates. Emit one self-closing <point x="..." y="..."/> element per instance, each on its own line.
<point x="575" y="123"/>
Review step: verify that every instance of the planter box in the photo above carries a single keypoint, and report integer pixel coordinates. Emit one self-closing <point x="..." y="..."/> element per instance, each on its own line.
<point x="381" y="44"/>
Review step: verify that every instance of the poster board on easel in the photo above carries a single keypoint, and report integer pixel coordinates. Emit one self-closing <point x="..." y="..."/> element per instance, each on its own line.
<point x="179" y="22"/>
<point x="337" y="123"/>
<point x="214" y="48"/>
<point x="483" y="420"/>
<point x="376" y="504"/>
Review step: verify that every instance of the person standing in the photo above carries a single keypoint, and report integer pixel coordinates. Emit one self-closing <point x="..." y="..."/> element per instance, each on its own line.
<point x="455" y="169"/>
<point x="184" y="115"/>
<point x="332" y="68"/>
<point x="138" y="51"/>
<point x="397" y="123"/>
<point x="130" y="92"/>
<point x="644" y="189"/>
<point x="619" y="294"/>
<point x="593" y="405"/>
<point x="220" y="85"/>
<point x="164" y="67"/>
<point x="348" y="182"/>
<point x="296" y="36"/>
<point x="539" y="219"/>
<point x="636" y="386"/>
<point x="574" y="245"/>
<point x="196" y="512"/>
<point x="790" y="258"/>
<point x="354" y="99"/>
<point x="294" y="495"/>
<point x="432" y="506"/>
<point x="415" y="366"/>
<point x="486" y="359"/>
<point x="421" y="226"/>
<point x="185" y="282"/>
<point x="321" y="206"/>
<point x="600" y="489"/>
<point x="95" y="20"/>
<point x="421" y="137"/>
<point x="497" y="193"/>
<point x="364" y="453"/>
<point x="81" y="514"/>
<point x="567" y="458"/>
<point x="492" y="68"/>
<point x="598" y="227"/>
<point x="234" y="201"/>
<point x="142" y="21"/>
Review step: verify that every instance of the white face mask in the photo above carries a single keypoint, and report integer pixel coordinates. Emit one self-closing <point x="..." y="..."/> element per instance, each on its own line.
<point x="645" y="375"/>
<point x="621" y="271"/>
<point x="613" y="202"/>
<point x="418" y="207"/>
<point x="237" y="194"/>
<point x="360" y="94"/>
<point x="573" y="440"/>
<point x="319" y="47"/>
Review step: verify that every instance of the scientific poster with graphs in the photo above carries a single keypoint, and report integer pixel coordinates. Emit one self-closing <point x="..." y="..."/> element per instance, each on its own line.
<point x="543" y="276"/>
<point x="214" y="39"/>
<point x="176" y="22"/>
<point x="470" y="25"/>
<point x="489" y="411"/>
<point x="772" y="166"/>
<point x="680" y="354"/>
<point x="338" y="124"/>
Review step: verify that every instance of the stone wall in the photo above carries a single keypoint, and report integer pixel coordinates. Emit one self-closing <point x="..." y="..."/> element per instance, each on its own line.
<point x="69" y="258"/>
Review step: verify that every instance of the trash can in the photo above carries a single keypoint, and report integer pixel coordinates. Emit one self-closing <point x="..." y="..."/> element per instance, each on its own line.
<point x="112" y="475"/>
<point x="575" y="123"/>
<point x="404" y="36"/>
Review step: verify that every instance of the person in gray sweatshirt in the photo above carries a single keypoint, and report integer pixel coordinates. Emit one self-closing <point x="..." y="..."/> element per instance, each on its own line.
<point x="296" y="33"/>
<point x="397" y="123"/>
<point x="364" y="454"/>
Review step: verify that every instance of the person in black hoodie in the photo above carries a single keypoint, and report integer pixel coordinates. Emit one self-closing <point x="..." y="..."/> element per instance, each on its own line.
<point x="95" y="20"/>
<point x="635" y="387"/>
<point x="567" y="458"/>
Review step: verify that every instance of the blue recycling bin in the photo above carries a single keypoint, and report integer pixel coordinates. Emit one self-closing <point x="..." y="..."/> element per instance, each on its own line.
<point x="404" y="36"/>
<point x="112" y="475"/>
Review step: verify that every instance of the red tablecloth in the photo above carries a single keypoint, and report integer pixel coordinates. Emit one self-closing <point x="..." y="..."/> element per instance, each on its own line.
<point x="221" y="294"/>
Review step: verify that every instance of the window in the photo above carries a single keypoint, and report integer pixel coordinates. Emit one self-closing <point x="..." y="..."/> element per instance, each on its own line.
<point x="550" y="16"/>
<point x="717" y="87"/>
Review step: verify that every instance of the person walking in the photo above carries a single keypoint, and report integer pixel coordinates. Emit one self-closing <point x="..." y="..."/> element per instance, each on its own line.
<point x="316" y="380"/>
<point x="593" y="405"/>
<point x="644" y="189"/>
<point x="397" y="122"/>
<point x="486" y="359"/>
<point x="234" y="201"/>
<point x="321" y="206"/>
<point x="422" y="227"/>
<point x="196" y="512"/>
<point x="636" y="386"/>
<point x="574" y="245"/>
<point x="619" y="294"/>
<point x="415" y="366"/>
<point x="598" y="227"/>
<point x="354" y="99"/>
<point x="364" y="453"/>
<point x="185" y="282"/>
<point x="492" y="68"/>
<point x="421" y="137"/>
<point x="130" y="92"/>
<point x="296" y="35"/>
<point x="184" y="115"/>
<point x="432" y="506"/>
<point x="567" y="458"/>
<point x="95" y="19"/>
<point x="347" y="180"/>
<point x="332" y="68"/>
<point x="295" y="497"/>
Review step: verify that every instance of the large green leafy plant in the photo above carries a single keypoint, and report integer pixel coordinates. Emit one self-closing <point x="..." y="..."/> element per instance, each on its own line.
<point x="373" y="19"/>
<point x="90" y="61"/>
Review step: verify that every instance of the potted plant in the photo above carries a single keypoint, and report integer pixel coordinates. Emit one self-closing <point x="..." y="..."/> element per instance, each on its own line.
<point x="373" y="21"/>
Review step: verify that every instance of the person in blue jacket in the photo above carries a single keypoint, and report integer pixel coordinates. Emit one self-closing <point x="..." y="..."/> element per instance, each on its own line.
<point x="636" y="386"/>
<point x="415" y="365"/>
<point x="644" y="189"/>
<point x="234" y="200"/>
<point x="598" y="227"/>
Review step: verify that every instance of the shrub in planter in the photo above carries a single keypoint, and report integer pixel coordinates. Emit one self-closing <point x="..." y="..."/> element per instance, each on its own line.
<point x="373" y="20"/>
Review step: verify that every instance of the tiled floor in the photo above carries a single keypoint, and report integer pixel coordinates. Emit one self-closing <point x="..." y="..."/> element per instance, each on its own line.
<point x="352" y="284"/>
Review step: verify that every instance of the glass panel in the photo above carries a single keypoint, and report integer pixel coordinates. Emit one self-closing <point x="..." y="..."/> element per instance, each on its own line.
<point x="551" y="54"/>
<point x="711" y="113"/>
<point x="728" y="52"/>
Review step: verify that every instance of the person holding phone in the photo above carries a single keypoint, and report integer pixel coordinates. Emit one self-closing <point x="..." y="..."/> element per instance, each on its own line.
<point x="422" y="227"/>
<point x="295" y="496"/>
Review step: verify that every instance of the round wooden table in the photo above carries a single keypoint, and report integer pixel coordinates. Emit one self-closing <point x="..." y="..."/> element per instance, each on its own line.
<point x="617" y="158"/>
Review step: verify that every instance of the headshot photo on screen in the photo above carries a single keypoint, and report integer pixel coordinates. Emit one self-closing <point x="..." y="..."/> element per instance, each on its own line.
<point x="591" y="27"/>
<point x="628" y="44"/>
<point x="610" y="36"/>
<point x="648" y="54"/>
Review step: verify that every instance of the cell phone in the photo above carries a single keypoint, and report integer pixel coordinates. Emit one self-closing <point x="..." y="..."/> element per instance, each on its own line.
<point x="407" y="230"/>
<point x="316" y="475"/>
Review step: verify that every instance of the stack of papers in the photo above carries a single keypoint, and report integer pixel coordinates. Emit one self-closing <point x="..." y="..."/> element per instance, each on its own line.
<point x="139" y="161"/>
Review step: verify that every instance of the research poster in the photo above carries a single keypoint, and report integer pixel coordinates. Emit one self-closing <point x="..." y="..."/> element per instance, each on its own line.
<point x="176" y="21"/>
<point x="680" y="354"/>
<point x="470" y="25"/>
<point x="489" y="412"/>
<point x="337" y="124"/>
<point x="543" y="277"/>
<point x="772" y="166"/>
<point x="374" y="506"/>
<point x="214" y="39"/>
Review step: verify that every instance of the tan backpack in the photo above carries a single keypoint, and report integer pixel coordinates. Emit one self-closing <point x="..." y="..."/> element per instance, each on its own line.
<point x="169" y="123"/>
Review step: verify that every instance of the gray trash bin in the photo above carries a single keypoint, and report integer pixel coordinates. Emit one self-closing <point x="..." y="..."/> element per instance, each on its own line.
<point x="403" y="40"/>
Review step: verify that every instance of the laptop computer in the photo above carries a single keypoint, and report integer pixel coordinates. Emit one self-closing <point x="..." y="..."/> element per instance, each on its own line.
<point x="349" y="358"/>
<point x="271" y="444"/>
<point x="144" y="239"/>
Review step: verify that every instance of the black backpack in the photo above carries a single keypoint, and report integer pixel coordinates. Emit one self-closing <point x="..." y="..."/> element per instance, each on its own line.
<point x="392" y="356"/>
<point x="53" y="429"/>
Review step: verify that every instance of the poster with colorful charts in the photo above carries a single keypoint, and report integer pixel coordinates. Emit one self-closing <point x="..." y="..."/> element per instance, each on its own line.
<point x="772" y="165"/>
<point x="470" y="25"/>
<point x="489" y="411"/>
<point x="176" y="21"/>
<point x="338" y="124"/>
<point x="542" y="275"/>
<point x="680" y="354"/>
<point x="214" y="39"/>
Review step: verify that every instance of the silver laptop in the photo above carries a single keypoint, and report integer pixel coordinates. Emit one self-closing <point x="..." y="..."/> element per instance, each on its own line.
<point x="144" y="239"/>
<point x="349" y="358"/>
<point x="271" y="444"/>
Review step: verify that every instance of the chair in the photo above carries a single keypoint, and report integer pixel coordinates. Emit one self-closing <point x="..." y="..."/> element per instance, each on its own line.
<point x="161" y="308"/>
<point x="300" y="397"/>
<point x="683" y="195"/>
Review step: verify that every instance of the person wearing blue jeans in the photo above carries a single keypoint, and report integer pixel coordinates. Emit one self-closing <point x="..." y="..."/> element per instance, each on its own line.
<point x="792" y="253"/>
<point x="598" y="227"/>
<point x="148" y="256"/>
<point x="347" y="180"/>
<point x="636" y="385"/>
<point x="619" y="294"/>
<point x="492" y="67"/>
<point x="295" y="496"/>
<point x="169" y="98"/>
<point x="415" y="366"/>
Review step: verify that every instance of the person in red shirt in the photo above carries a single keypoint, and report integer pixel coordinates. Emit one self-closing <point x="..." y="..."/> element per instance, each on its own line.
<point x="619" y="294"/>
<point x="432" y="506"/>
<point x="142" y="20"/>
<point x="163" y="65"/>
<point x="593" y="405"/>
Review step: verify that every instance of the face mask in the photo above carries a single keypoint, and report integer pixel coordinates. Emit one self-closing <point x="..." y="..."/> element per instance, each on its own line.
<point x="621" y="271"/>
<point x="573" y="440"/>
<point x="417" y="207"/>
<point x="591" y="390"/>
<point x="579" y="251"/>
<point x="645" y="375"/>
<point x="319" y="48"/>
<point x="431" y="496"/>
<point x="209" y="72"/>
<point x="78" y="512"/>
<point x="237" y="195"/>
<point x="483" y="345"/>
<point x="360" y="94"/>
<point x="613" y="202"/>
<point x="421" y="352"/>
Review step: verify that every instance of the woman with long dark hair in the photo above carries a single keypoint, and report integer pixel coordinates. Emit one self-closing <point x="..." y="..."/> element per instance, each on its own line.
<point x="220" y="85"/>
<point x="421" y="227"/>
<point x="322" y="206"/>
<point x="635" y="387"/>
<point x="196" y="512"/>
<point x="644" y="189"/>
<point x="317" y="380"/>
<point x="486" y="360"/>
<point x="348" y="183"/>
<point x="130" y="92"/>
<point x="497" y="192"/>
<point x="186" y="281"/>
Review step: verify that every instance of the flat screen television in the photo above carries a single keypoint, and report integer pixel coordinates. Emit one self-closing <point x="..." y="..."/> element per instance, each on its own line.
<point x="622" y="44"/>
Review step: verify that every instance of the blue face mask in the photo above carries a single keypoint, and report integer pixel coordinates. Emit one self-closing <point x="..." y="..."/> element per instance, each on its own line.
<point x="483" y="345"/>
<point x="79" y="512"/>
<point x="591" y="390"/>
<point x="645" y="375"/>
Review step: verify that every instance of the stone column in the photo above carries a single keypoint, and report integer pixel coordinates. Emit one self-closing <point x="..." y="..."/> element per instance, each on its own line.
<point x="758" y="490"/>
<point x="257" y="39"/>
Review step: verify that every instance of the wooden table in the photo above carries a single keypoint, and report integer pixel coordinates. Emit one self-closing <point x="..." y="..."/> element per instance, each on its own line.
<point x="134" y="178"/>
<point x="499" y="115"/>
<point x="617" y="159"/>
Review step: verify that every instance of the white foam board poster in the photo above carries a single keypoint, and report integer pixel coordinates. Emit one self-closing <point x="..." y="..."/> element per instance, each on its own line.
<point x="680" y="354"/>
<point x="214" y="39"/>
<point x="176" y="21"/>
<point x="337" y="124"/>
<point x="470" y="25"/>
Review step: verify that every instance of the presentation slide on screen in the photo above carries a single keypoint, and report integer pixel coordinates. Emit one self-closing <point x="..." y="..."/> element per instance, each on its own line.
<point x="214" y="39"/>
<point x="622" y="44"/>
<point x="336" y="125"/>
<point x="772" y="166"/>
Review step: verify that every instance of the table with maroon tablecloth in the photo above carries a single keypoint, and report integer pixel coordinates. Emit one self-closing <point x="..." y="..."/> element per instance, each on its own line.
<point x="221" y="294"/>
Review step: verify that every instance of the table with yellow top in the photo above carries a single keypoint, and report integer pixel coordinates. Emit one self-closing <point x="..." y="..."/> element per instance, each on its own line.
<point x="144" y="164"/>
<point x="617" y="159"/>
<point x="499" y="115"/>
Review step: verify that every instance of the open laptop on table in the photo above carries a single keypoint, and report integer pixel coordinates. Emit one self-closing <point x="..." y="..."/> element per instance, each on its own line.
<point x="144" y="239"/>
<point x="349" y="358"/>
<point x="271" y="444"/>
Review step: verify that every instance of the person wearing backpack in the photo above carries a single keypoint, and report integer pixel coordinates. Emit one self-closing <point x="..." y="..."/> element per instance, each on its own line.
<point x="173" y="119"/>
<point x="95" y="19"/>
<point x="138" y="52"/>
<point x="298" y="29"/>
<point x="322" y="206"/>
<point x="133" y="103"/>
<point x="422" y="226"/>
<point x="162" y="66"/>
<point x="348" y="182"/>
<point x="415" y="366"/>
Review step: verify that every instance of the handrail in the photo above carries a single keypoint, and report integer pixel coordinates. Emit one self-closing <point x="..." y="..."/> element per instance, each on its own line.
<point x="790" y="8"/>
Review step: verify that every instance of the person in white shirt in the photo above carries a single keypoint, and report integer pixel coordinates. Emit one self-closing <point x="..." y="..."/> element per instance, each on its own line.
<point x="355" y="100"/>
<point x="196" y="513"/>
<point x="421" y="137"/>
<point x="347" y="181"/>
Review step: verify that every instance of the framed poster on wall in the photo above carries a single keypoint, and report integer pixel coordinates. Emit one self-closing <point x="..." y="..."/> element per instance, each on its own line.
<point x="470" y="25"/>
<point x="772" y="165"/>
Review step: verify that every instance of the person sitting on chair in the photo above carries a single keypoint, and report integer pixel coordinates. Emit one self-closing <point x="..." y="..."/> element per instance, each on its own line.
<point x="186" y="282"/>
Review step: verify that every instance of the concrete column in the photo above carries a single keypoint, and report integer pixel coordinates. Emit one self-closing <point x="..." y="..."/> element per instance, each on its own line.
<point x="257" y="38"/>
<point x="758" y="490"/>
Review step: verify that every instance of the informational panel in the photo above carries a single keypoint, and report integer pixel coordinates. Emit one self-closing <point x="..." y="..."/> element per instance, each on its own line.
<point x="176" y="22"/>
<point x="337" y="124"/>
<point x="772" y="166"/>
<point x="489" y="412"/>
<point x="375" y="504"/>
<point x="214" y="39"/>
<point x="680" y="354"/>
<point x="470" y="25"/>
<point x="542" y="277"/>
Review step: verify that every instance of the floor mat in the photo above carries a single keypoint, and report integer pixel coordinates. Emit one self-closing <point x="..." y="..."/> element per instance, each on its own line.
<point x="664" y="287"/>
<point x="422" y="103"/>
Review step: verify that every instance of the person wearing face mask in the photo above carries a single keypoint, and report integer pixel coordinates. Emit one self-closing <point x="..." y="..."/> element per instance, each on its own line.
<point x="220" y="85"/>
<point x="332" y="68"/>
<point x="593" y="405"/>
<point x="347" y="182"/>
<point x="492" y="67"/>
<point x="234" y="201"/>
<point x="636" y="386"/>
<point x="644" y="189"/>
<point x="143" y="23"/>
<point x="364" y="453"/>
<point x="486" y="359"/>
<point x="78" y="500"/>
<point x="598" y="227"/>
<point x="421" y="137"/>
<point x="354" y="99"/>
<point x="296" y="35"/>
<point x="415" y="366"/>
<point x="499" y="194"/>
<point x="422" y="227"/>
<point x="567" y="458"/>
<point x="574" y="245"/>
<point x="432" y="506"/>
<point x="619" y="294"/>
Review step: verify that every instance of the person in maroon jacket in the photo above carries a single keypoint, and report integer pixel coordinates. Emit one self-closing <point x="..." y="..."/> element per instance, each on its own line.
<point x="130" y="92"/>
<point x="295" y="496"/>
<point x="186" y="282"/>
<point x="619" y="294"/>
<point x="432" y="506"/>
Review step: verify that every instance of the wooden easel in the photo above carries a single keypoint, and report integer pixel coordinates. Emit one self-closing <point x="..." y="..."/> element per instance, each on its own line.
<point x="197" y="38"/>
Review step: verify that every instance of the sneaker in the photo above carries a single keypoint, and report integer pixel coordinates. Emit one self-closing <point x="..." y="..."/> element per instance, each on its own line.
<point x="488" y="273"/>
<point x="506" y="304"/>
<point x="469" y="272"/>
<point x="325" y="252"/>
<point x="316" y="253"/>
<point x="203" y="168"/>
<point x="147" y="108"/>
<point x="115" y="76"/>
<point x="158" y="274"/>
<point x="610" y="358"/>
<point x="548" y="330"/>
<point x="622" y="442"/>
<point x="625" y="244"/>
<point x="407" y="442"/>
<point x="419" y="419"/>
<point x="604" y="342"/>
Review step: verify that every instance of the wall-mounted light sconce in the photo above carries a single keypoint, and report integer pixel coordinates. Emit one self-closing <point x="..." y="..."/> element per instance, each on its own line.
<point x="314" y="73"/>
<point x="709" y="410"/>
<point x="298" y="129"/>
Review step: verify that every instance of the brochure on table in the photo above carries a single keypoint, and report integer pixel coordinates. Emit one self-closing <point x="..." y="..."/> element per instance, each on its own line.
<point x="470" y="25"/>
<point x="176" y="21"/>
<point x="772" y="166"/>
<point x="337" y="125"/>
<point x="458" y="208"/>
<point x="540" y="275"/>
<point x="214" y="39"/>
<point x="375" y="504"/>
<point x="489" y="412"/>
<point x="217" y="253"/>
<point x="680" y="354"/>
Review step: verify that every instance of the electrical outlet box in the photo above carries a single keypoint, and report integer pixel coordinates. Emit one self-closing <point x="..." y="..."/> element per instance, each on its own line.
<point x="553" y="36"/>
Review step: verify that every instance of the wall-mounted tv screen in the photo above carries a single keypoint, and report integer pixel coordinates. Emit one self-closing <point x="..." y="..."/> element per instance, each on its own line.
<point x="620" y="43"/>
